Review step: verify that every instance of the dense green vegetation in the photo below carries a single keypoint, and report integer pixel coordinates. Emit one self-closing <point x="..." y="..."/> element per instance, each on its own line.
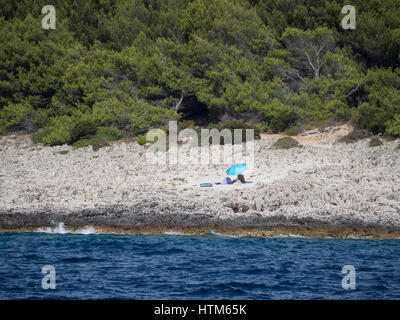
<point x="119" y="67"/>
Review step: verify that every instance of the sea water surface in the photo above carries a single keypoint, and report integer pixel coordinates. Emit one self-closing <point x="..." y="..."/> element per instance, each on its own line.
<point x="210" y="266"/>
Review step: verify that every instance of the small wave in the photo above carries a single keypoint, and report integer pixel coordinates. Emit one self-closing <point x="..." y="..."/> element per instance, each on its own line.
<point x="173" y="233"/>
<point x="290" y="235"/>
<point x="213" y="233"/>
<point x="86" y="230"/>
<point x="61" y="229"/>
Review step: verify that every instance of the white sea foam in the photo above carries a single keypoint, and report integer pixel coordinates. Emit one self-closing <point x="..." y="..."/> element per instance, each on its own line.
<point x="212" y="232"/>
<point x="173" y="233"/>
<point x="296" y="236"/>
<point x="86" y="230"/>
<point x="290" y="235"/>
<point x="61" y="229"/>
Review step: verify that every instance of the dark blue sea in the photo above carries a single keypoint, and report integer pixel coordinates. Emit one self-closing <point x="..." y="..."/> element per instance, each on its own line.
<point x="210" y="266"/>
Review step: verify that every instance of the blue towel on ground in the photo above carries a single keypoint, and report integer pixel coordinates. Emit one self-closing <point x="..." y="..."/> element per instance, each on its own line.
<point x="206" y="185"/>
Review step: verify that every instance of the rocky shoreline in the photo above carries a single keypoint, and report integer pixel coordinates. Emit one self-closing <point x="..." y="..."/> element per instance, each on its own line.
<point x="325" y="189"/>
<point x="126" y="221"/>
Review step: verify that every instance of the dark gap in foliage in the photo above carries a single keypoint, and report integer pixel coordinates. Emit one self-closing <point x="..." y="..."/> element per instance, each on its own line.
<point x="190" y="108"/>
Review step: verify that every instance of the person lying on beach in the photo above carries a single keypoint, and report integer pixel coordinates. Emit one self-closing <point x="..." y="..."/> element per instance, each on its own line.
<point x="240" y="177"/>
<point x="227" y="180"/>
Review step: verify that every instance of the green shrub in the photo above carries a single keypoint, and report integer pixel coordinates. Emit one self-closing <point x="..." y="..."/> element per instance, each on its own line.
<point x="109" y="133"/>
<point x="146" y="117"/>
<point x="370" y="117"/>
<point x="393" y="126"/>
<point x="3" y="131"/>
<point x="231" y="125"/>
<point x="83" y="128"/>
<point x="381" y="114"/>
<point x="56" y="134"/>
<point x="79" y="133"/>
<point x="262" y="127"/>
<point x="238" y="124"/>
<point x="375" y="142"/>
<point x="282" y="119"/>
<point x="95" y="142"/>
<point x="38" y="136"/>
<point x="12" y="116"/>
<point x="285" y="143"/>
<point x="82" y="143"/>
<point x="141" y="139"/>
<point x="103" y="135"/>
<point x="40" y="118"/>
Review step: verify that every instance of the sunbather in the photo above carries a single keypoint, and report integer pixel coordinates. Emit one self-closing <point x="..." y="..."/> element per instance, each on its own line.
<point x="227" y="180"/>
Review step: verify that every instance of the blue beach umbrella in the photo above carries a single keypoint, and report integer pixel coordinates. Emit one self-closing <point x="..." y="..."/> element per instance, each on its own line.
<point x="236" y="169"/>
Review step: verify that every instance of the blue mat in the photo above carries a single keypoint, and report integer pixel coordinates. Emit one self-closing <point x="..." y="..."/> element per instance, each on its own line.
<point x="206" y="185"/>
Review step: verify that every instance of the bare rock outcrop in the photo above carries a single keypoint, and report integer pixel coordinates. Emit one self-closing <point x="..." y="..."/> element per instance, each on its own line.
<point x="323" y="184"/>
